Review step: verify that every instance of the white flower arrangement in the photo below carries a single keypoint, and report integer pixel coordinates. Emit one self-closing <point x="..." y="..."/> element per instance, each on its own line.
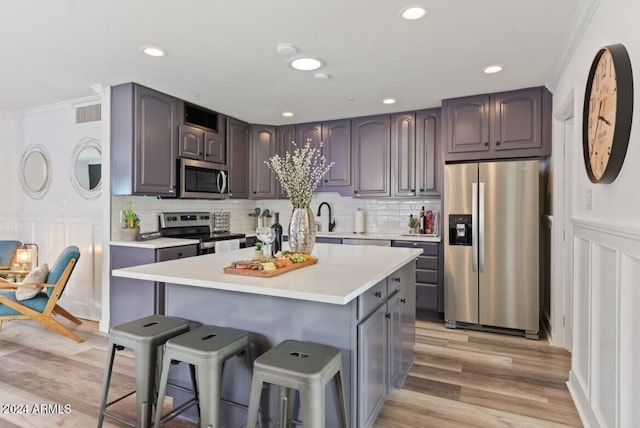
<point x="300" y="173"/>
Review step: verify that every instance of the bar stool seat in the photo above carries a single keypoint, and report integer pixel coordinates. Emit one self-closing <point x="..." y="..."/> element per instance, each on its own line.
<point x="145" y="337"/>
<point x="306" y="367"/>
<point x="207" y="348"/>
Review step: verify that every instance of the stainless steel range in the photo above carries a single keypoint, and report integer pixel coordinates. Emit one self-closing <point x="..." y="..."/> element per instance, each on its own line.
<point x="197" y="225"/>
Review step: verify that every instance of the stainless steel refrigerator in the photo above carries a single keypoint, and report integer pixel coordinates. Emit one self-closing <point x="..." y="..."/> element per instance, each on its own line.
<point x="492" y="244"/>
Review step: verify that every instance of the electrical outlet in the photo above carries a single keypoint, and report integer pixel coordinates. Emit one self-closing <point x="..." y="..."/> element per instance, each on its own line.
<point x="588" y="199"/>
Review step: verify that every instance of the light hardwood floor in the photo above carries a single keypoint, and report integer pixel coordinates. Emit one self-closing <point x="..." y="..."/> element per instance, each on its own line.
<point x="460" y="378"/>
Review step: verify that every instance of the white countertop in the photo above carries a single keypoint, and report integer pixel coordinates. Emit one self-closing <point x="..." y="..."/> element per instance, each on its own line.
<point x="341" y="274"/>
<point x="154" y="244"/>
<point x="368" y="235"/>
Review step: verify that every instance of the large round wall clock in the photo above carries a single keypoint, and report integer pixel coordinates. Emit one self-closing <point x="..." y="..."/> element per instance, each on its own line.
<point x="607" y="114"/>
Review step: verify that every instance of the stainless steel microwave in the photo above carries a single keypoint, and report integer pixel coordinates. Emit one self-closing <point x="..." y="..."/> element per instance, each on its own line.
<point x="203" y="180"/>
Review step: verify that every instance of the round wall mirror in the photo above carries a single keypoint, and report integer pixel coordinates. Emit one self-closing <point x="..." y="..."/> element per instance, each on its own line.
<point x="35" y="171"/>
<point x="85" y="170"/>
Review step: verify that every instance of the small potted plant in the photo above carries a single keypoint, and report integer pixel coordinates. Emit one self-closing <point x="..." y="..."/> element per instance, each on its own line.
<point x="258" y="251"/>
<point x="414" y="223"/>
<point x="130" y="224"/>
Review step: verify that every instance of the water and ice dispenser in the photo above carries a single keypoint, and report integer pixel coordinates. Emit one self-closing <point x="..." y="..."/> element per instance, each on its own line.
<point x="460" y="229"/>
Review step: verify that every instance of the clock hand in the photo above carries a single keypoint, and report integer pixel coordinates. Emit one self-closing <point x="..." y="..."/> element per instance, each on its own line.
<point x="604" y="120"/>
<point x="595" y="134"/>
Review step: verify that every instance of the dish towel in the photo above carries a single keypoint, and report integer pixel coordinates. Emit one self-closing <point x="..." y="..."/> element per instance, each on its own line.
<point x="227" y="245"/>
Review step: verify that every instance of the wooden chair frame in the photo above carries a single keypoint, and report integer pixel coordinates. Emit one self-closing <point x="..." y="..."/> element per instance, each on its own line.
<point x="45" y="317"/>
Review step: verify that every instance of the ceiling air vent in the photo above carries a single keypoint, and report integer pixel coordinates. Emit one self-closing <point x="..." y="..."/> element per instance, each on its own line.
<point x="91" y="113"/>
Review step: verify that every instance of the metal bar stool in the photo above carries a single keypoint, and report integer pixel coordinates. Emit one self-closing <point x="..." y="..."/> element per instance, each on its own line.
<point x="306" y="367"/>
<point x="146" y="337"/>
<point x="207" y="348"/>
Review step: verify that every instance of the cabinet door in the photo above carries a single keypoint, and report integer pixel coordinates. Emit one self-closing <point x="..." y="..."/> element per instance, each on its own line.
<point x="336" y="148"/>
<point x="371" y="148"/>
<point x="238" y="136"/>
<point x="428" y="157"/>
<point x="403" y="154"/>
<point x="394" y="315"/>
<point x="190" y="142"/>
<point x="372" y="366"/>
<point x="517" y="120"/>
<point x="285" y="135"/>
<point x="156" y="146"/>
<point x="467" y="124"/>
<point x="215" y="147"/>
<point x="263" y="146"/>
<point x="309" y="132"/>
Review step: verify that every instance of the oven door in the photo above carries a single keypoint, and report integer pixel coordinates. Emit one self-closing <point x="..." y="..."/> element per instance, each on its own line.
<point x="203" y="180"/>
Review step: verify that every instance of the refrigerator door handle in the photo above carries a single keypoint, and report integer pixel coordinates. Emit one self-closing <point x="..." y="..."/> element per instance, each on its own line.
<point x="474" y="225"/>
<point x="481" y="227"/>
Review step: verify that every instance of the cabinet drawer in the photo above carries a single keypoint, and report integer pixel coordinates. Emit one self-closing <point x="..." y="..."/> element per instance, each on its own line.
<point x="427" y="296"/>
<point x="372" y="298"/>
<point x="163" y="254"/>
<point x="429" y="276"/>
<point x="428" y="248"/>
<point x="427" y="262"/>
<point x="325" y="240"/>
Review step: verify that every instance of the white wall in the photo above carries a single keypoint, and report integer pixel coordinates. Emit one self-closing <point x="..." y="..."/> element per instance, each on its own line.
<point x="604" y="242"/>
<point x="61" y="217"/>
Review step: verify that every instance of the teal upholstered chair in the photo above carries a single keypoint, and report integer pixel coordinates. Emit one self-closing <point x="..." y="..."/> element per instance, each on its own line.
<point x="42" y="307"/>
<point x="8" y="252"/>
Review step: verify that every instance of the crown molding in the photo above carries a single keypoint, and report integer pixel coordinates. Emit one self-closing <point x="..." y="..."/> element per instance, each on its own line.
<point x="581" y="19"/>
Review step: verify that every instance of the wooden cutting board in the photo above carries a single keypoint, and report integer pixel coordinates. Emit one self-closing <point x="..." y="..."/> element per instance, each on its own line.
<point x="269" y="273"/>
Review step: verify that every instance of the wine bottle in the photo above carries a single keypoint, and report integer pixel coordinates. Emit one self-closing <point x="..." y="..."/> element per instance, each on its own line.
<point x="277" y="228"/>
<point x="423" y="221"/>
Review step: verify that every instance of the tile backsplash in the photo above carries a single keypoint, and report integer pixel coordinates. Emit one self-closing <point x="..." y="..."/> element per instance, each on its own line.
<point x="381" y="215"/>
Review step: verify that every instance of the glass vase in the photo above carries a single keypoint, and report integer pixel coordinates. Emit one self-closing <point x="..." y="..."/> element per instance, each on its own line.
<point x="302" y="230"/>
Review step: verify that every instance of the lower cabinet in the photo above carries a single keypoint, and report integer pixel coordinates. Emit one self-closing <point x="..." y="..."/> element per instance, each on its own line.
<point x="131" y="299"/>
<point x="386" y="338"/>
<point x="429" y="296"/>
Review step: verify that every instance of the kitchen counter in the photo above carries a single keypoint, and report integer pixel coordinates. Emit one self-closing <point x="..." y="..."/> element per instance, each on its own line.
<point x="360" y="300"/>
<point x="368" y="235"/>
<point x="341" y="274"/>
<point x="155" y="244"/>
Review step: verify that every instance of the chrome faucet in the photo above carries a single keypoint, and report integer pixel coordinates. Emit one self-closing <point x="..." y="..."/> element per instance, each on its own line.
<point x="332" y="224"/>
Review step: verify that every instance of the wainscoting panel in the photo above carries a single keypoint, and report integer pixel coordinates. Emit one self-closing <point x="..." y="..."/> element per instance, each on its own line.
<point x="604" y="377"/>
<point x="582" y="321"/>
<point x="629" y="340"/>
<point x="52" y="234"/>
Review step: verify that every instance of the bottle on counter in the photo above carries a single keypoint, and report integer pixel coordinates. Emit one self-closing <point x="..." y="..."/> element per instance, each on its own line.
<point x="423" y="223"/>
<point x="277" y="228"/>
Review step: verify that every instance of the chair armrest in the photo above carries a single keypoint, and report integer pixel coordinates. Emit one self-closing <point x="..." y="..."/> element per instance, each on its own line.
<point x="20" y="284"/>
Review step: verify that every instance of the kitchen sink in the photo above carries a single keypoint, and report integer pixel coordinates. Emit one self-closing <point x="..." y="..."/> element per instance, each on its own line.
<point x="422" y="235"/>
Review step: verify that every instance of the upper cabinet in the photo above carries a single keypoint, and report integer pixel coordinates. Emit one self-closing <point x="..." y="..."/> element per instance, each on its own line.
<point x="429" y="157"/>
<point x="503" y="125"/>
<point x="143" y="141"/>
<point x="284" y="135"/>
<point x="309" y="133"/>
<point x="336" y="148"/>
<point x="371" y="151"/>
<point x="263" y="146"/>
<point x="415" y="154"/>
<point x="238" y="139"/>
<point x="201" y="134"/>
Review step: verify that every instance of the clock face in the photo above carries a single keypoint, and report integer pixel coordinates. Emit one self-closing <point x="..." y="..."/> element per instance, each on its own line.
<point x="602" y="114"/>
<point x="607" y="113"/>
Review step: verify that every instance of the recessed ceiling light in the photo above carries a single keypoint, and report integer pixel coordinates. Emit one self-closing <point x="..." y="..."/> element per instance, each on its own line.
<point x="322" y="76"/>
<point x="287" y="114"/>
<point x="306" y="64"/>
<point x="413" y="13"/>
<point x="389" y="101"/>
<point x="492" y="69"/>
<point x="152" y="51"/>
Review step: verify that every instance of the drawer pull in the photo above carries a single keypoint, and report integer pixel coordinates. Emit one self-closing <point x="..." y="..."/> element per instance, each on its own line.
<point x="396" y="279"/>
<point x="403" y="300"/>
<point x="378" y="294"/>
<point x="387" y="315"/>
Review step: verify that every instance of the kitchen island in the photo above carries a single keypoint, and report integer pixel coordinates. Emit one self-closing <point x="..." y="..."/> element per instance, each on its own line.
<point x="359" y="299"/>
